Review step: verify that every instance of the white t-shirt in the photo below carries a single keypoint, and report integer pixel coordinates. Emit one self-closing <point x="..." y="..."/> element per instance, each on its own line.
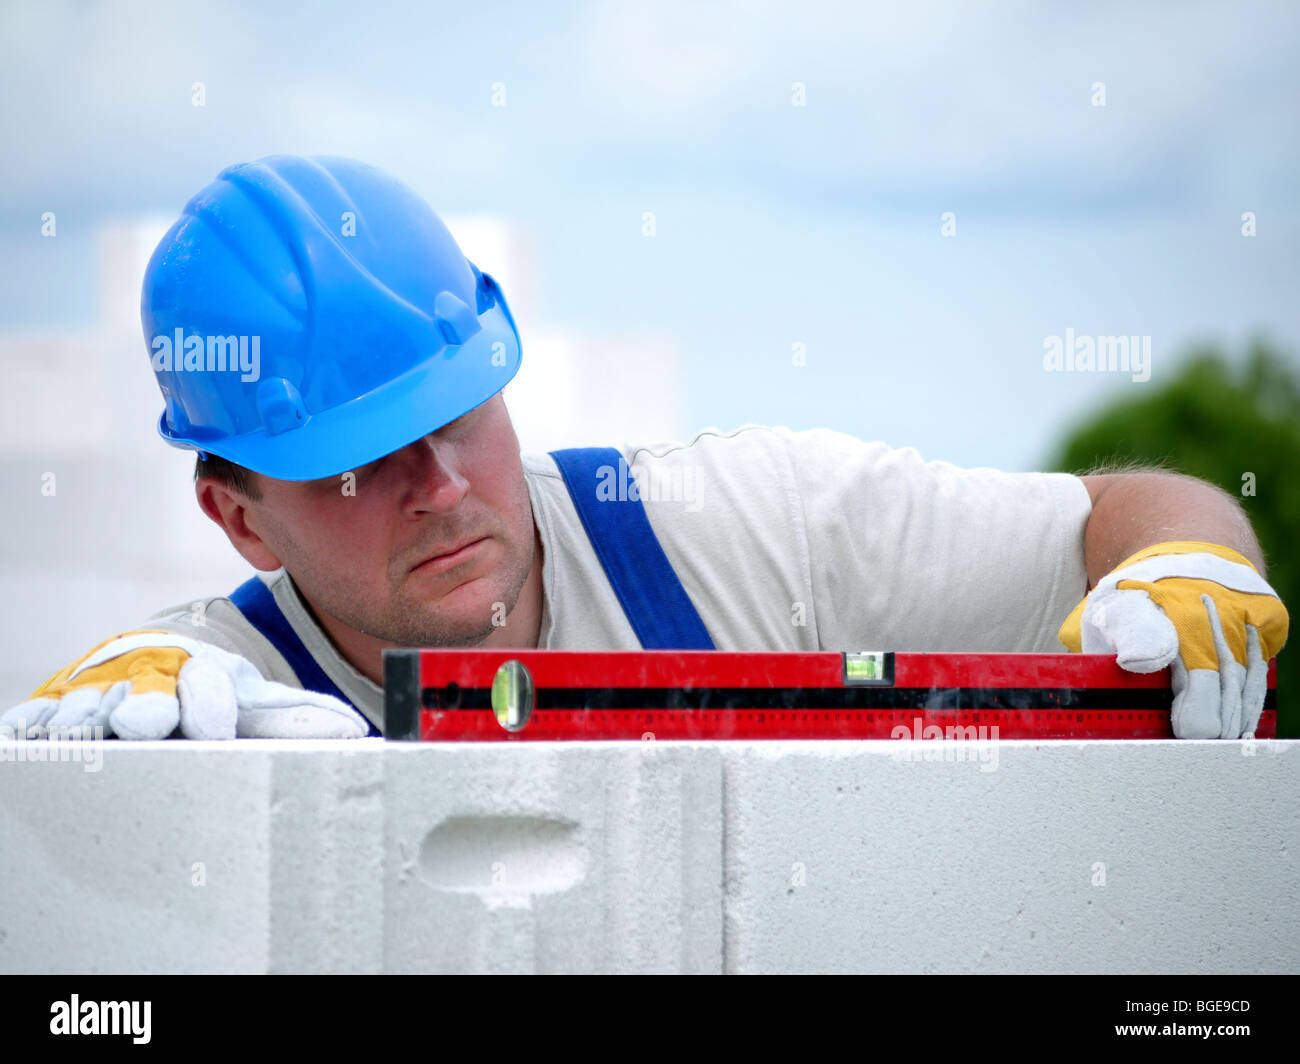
<point x="783" y="540"/>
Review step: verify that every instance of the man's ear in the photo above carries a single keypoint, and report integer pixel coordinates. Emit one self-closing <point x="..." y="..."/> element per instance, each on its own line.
<point x="229" y="510"/>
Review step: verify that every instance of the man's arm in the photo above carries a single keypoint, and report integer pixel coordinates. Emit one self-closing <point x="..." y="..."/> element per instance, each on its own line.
<point x="1134" y="510"/>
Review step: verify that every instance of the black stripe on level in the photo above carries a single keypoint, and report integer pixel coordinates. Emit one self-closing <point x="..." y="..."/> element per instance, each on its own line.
<point x="453" y="696"/>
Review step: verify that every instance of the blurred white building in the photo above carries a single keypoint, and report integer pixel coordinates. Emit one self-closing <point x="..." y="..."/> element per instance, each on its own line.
<point x="100" y="521"/>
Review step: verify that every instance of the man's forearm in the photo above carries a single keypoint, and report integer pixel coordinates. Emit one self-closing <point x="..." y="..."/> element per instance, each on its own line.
<point x="1131" y="511"/>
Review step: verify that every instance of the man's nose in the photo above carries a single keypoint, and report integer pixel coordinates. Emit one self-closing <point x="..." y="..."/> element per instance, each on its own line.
<point x="434" y="479"/>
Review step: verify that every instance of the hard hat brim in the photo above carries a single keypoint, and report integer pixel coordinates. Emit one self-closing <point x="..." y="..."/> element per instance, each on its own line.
<point x="331" y="442"/>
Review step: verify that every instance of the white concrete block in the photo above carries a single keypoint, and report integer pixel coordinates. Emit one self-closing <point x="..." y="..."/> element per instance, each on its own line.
<point x="160" y="861"/>
<point x="983" y="866"/>
<point x="554" y="857"/>
<point x="326" y="887"/>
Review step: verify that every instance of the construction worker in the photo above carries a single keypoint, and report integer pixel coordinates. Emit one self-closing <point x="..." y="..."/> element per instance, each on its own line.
<point x="337" y="364"/>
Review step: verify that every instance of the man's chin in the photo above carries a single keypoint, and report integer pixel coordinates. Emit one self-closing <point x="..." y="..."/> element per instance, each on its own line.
<point x="464" y="616"/>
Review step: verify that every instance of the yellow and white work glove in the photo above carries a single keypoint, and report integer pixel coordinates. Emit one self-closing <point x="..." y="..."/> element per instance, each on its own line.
<point x="141" y="685"/>
<point x="1199" y="608"/>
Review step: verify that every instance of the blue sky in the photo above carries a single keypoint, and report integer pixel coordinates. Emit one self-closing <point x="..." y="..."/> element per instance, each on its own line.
<point x="775" y="224"/>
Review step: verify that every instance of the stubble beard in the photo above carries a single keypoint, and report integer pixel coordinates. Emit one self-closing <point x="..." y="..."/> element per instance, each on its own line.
<point x="408" y="619"/>
<point x="411" y="621"/>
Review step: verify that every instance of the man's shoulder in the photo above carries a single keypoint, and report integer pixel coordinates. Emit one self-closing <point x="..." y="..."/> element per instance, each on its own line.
<point x="209" y="618"/>
<point x="218" y="620"/>
<point x="710" y="441"/>
<point x="750" y="465"/>
<point x="200" y="604"/>
<point x="709" y="444"/>
<point x="760" y="442"/>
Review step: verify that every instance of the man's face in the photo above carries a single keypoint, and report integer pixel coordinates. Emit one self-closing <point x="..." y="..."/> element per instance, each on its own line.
<point x="359" y="557"/>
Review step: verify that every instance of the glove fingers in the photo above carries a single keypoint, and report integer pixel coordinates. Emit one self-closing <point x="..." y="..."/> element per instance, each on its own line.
<point x="1232" y="676"/>
<point x="207" y="700"/>
<point x="1195" y="710"/>
<point x="28" y="718"/>
<point x="153" y="715"/>
<point x="298" y="722"/>
<point x="82" y="708"/>
<point x="1129" y="625"/>
<point x="102" y="716"/>
<point x="1255" y="689"/>
<point x="276" y="711"/>
<point x="270" y="710"/>
<point x="71" y="711"/>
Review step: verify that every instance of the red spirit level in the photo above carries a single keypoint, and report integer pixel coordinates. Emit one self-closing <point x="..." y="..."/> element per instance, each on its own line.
<point x="516" y="694"/>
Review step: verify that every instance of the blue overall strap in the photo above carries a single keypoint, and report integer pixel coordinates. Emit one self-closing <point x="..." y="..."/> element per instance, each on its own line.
<point x="258" y="605"/>
<point x="653" y="598"/>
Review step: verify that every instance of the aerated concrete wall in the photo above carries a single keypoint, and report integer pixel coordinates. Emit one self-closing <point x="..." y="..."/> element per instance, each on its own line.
<point x="374" y="856"/>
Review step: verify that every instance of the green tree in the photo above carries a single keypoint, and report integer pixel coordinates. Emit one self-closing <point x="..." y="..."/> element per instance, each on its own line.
<point x="1237" y="426"/>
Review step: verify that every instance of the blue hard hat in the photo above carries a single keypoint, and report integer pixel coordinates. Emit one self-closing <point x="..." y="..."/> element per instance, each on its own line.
<point x="306" y="316"/>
